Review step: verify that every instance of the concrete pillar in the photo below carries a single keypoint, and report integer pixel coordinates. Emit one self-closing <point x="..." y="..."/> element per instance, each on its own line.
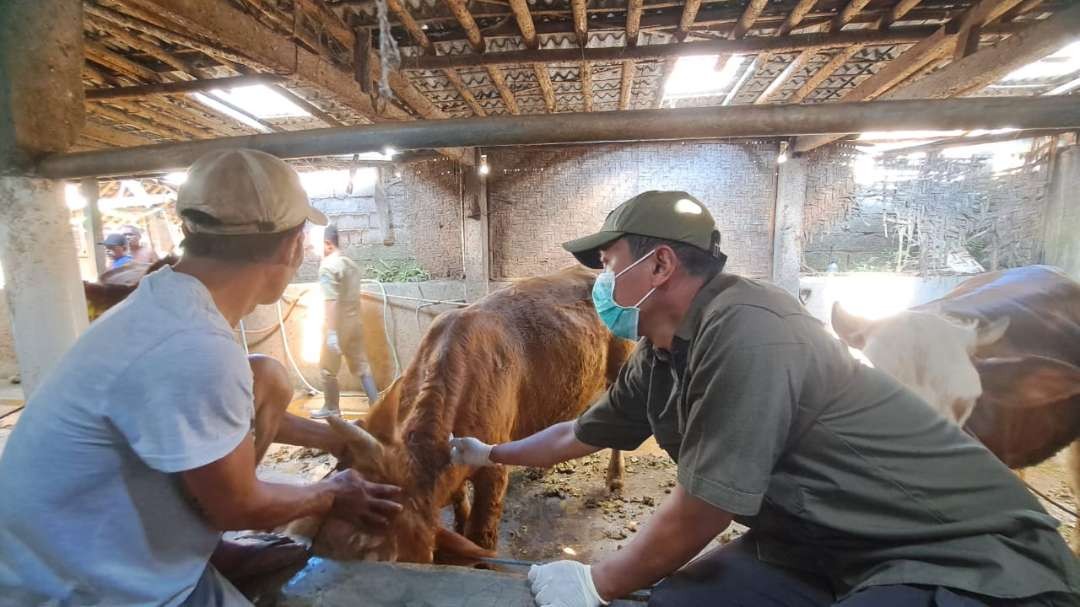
<point x="476" y="246"/>
<point x="41" y="111"/>
<point x="788" y="224"/>
<point x="41" y="271"/>
<point x="92" y="225"/>
<point x="1063" y="213"/>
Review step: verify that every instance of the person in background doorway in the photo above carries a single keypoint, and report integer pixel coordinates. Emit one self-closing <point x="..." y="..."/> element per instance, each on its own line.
<point x="139" y="252"/>
<point x="116" y="250"/>
<point x="340" y="279"/>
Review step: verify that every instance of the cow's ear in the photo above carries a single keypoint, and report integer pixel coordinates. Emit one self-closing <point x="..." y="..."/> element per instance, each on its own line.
<point x="452" y="548"/>
<point x="383" y="419"/>
<point x="361" y="444"/>
<point x="851" y="329"/>
<point x="1027" y="381"/>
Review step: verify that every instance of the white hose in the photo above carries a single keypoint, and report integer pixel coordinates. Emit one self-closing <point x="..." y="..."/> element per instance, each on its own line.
<point x="386" y="323"/>
<point x="288" y="353"/>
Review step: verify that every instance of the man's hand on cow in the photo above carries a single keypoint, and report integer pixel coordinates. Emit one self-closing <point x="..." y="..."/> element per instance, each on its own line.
<point x="564" y="584"/>
<point x="469" y="451"/>
<point x="366" y="504"/>
<point x="332" y="342"/>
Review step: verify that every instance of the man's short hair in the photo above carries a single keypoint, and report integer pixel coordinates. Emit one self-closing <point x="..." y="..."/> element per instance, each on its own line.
<point x="237" y="248"/>
<point x="330" y="234"/>
<point x="697" y="262"/>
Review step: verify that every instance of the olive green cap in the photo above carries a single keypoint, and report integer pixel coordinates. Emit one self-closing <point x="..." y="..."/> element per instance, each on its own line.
<point x="674" y="216"/>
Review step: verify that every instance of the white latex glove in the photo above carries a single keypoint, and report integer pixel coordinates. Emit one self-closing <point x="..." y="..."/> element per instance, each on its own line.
<point x="332" y="342"/>
<point x="468" y="451"/>
<point x="564" y="584"/>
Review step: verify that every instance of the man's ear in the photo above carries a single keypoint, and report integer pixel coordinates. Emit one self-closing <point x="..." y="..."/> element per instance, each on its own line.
<point x="666" y="264"/>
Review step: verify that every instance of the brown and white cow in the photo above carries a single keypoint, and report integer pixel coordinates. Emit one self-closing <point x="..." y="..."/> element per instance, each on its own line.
<point x="999" y="354"/>
<point x="515" y="362"/>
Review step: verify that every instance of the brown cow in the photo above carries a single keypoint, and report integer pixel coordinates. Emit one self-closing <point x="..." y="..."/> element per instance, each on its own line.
<point x="100" y="296"/>
<point x="999" y="354"/>
<point x="515" y="362"/>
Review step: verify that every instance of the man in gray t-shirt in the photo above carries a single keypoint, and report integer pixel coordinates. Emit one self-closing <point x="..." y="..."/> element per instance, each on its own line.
<point x="128" y="463"/>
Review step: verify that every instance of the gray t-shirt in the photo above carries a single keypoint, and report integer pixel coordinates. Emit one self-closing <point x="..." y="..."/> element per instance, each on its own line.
<point x="92" y="511"/>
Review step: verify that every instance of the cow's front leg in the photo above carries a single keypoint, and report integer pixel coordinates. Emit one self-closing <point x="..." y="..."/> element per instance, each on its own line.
<point x="489" y="487"/>
<point x="461" y="508"/>
<point x="615" y="472"/>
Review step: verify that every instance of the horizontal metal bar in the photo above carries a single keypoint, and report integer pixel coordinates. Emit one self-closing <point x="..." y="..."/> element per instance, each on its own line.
<point x="758" y="44"/>
<point x="594" y="127"/>
<point x="176" y="88"/>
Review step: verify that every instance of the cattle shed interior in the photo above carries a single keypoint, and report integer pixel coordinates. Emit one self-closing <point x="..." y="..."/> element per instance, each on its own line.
<point x="872" y="153"/>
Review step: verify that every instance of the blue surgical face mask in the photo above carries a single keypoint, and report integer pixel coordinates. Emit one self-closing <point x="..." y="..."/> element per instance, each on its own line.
<point x="620" y="320"/>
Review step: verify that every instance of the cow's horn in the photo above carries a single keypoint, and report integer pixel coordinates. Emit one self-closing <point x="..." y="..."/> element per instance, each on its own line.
<point x="358" y="439"/>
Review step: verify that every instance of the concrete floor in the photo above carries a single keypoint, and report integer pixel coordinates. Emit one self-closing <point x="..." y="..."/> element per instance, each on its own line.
<point x="326" y="583"/>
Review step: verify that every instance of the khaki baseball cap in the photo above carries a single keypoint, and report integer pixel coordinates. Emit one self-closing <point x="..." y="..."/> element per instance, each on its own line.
<point x="673" y="215"/>
<point x="244" y="192"/>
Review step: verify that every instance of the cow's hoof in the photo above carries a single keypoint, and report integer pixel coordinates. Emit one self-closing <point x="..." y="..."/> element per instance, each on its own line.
<point x="15" y="379"/>
<point x="615" y="485"/>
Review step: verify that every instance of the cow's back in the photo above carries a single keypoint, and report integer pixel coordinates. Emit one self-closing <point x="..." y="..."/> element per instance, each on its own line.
<point x="564" y="348"/>
<point x="1043" y="308"/>
<point x="1041" y="303"/>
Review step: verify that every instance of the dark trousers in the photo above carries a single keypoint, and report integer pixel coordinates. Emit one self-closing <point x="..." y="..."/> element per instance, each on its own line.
<point x="732" y="576"/>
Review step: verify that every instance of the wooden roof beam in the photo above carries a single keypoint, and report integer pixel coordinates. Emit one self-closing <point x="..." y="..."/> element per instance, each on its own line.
<point x="792" y="68"/>
<point x="743" y="25"/>
<point x="686" y="21"/>
<point x="795" y="17"/>
<point x="980" y="69"/>
<point x="749" y="16"/>
<point x="114" y="137"/>
<point x="520" y="8"/>
<point x="586" y="85"/>
<point x="178" y="88"/>
<point x="237" y="30"/>
<point x="581" y="22"/>
<point x="544" y="80"/>
<point x="846" y="14"/>
<point x="843" y="56"/>
<point x="410" y="25"/>
<point x="507" y="96"/>
<point x="626" y="85"/>
<point x="465" y="19"/>
<point x="136" y="121"/>
<point x="746" y="46"/>
<point x="897" y="12"/>
<point x="463" y="90"/>
<point x="633" y="21"/>
<point x="103" y="55"/>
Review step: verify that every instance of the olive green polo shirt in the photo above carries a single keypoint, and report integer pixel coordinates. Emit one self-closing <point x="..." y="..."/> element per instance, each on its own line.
<point x="339" y="279"/>
<point x="838" y="469"/>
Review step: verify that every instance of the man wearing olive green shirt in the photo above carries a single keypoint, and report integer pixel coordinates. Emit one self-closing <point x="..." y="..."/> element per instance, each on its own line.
<point x="855" y="491"/>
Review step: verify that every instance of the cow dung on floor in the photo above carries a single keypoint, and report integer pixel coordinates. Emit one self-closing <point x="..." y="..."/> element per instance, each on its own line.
<point x="326" y="583"/>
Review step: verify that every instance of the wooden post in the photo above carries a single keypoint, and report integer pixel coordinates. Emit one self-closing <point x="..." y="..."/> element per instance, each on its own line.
<point x="92" y="224"/>
<point x="477" y="247"/>
<point x="787" y="224"/>
<point x="1062" y="242"/>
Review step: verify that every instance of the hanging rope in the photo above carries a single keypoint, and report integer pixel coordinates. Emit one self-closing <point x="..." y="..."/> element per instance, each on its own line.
<point x="389" y="55"/>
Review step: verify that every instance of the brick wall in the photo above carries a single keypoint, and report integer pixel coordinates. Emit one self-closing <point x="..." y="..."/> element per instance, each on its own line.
<point x="539" y="197"/>
<point x="425" y="212"/>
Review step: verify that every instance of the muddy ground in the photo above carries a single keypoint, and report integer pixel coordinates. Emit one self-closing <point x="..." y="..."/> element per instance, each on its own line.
<point x="567" y="511"/>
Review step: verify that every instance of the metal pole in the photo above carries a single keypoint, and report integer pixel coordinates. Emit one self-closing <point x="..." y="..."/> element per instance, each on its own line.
<point x="594" y="127"/>
<point x="90" y="192"/>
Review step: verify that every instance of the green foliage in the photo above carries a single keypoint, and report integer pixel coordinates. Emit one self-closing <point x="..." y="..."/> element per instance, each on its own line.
<point x="398" y="270"/>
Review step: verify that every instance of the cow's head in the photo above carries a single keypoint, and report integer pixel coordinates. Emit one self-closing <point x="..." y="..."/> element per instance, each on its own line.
<point x="379" y="452"/>
<point x="932" y="355"/>
<point x="936" y="357"/>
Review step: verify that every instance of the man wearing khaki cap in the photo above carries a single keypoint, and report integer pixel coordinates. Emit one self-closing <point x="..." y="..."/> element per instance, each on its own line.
<point x="855" y="491"/>
<point x="128" y="463"/>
